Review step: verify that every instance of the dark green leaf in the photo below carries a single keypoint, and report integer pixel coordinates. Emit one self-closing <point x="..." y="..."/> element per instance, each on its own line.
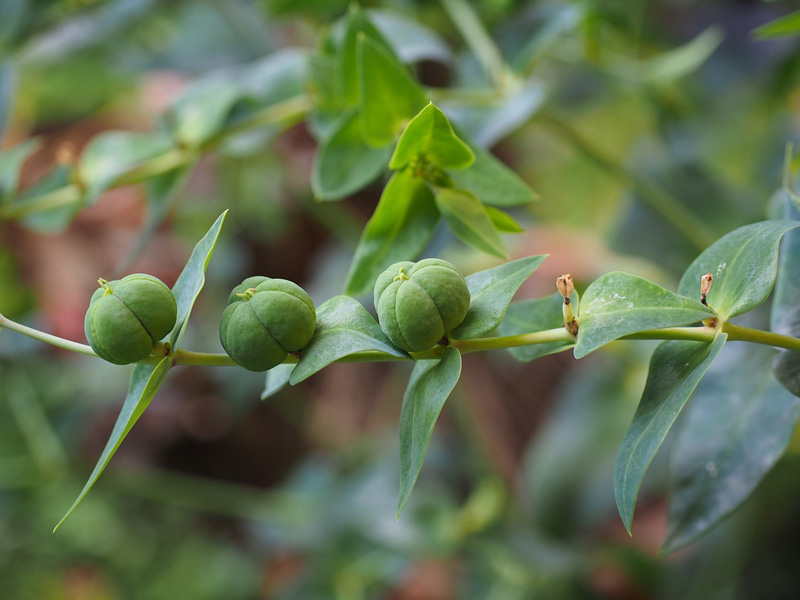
<point x="111" y="155"/>
<point x="493" y="182"/>
<point x="358" y="25"/>
<point x="676" y="368"/>
<point x="468" y="220"/>
<point x="431" y="383"/>
<point x="192" y="279"/>
<point x="11" y="160"/>
<point x="502" y="221"/>
<point x="787" y="370"/>
<point x="738" y="425"/>
<point x="344" y="327"/>
<point x="400" y="228"/>
<point x="344" y="163"/>
<point x="744" y="264"/>
<point x="618" y="304"/>
<point x="787" y="25"/>
<point x="277" y="379"/>
<point x="527" y="316"/>
<point x="491" y="292"/>
<point x="388" y="96"/>
<point x="429" y="134"/>
<point x="144" y="383"/>
<point x="785" y="311"/>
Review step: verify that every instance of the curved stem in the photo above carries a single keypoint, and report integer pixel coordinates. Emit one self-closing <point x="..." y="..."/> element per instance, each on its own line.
<point x="47" y="338"/>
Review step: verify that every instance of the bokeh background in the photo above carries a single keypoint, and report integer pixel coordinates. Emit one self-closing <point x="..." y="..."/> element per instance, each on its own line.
<point x="217" y="494"/>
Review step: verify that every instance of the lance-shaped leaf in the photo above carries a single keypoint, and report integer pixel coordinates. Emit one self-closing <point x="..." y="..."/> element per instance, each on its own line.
<point x="111" y="155"/>
<point x="144" y="383"/>
<point x="527" y="316"/>
<point x="493" y="182"/>
<point x="400" y="228"/>
<point x="344" y="327"/>
<point x="491" y="292"/>
<point x="431" y="383"/>
<point x="502" y="221"/>
<point x="202" y="110"/>
<point x="744" y="264"/>
<point x="192" y="279"/>
<point x="358" y="24"/>
<point x="467" y="218"/>
<point x="785" y="311"/>
<point x="388" y="96"/>
<point x="618" y="304"/>
<point x="676" y="368"/>
<point x="738" y="425"/>
<point x="788" y="25"/>
<point x="344" y="163"/>
<point x="429" y="134"/>
<point x="11" y="160"/>
<point x="277" y="379"/>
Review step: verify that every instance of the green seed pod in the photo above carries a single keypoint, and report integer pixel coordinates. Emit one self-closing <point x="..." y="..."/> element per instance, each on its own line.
<point x="418" y="303"/>
<point x="265" y="320"/>
<point x="128" y="316"/>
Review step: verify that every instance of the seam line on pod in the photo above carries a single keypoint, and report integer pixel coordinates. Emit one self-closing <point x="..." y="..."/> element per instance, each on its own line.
<point x="150" y="335"/>
<point x="97" y="341"/>
<point x="264" y="325"/>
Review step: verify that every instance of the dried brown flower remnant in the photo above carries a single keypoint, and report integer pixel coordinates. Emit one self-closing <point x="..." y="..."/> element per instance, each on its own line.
<point x="565" y="287"/>
<point x="705" y="287"/>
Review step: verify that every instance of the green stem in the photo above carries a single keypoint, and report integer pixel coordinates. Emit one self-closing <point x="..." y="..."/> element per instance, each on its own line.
<point x="284" y="114"/>
<point x="659" y="199"/>
<point x="512" y="341"/>
<point x="53" y="340"/>
<point x="757" y="336"/>
<point x="476" y="37"/>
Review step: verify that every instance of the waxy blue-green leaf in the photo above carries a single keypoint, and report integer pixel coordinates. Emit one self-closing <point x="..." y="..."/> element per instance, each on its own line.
<point x="144" y="383"/>
<point x="467" y="218"/>
<point x="192" y="279"/>
<point x="502" y="221"/>
<point x="540" y="314"/>
<point x="493" y="182"/>
<point x="491" y="292"/>
<point x="431" y="383"/>
<point x="618" y="304"/>
<point x="111" y="155"/>
<point x="388" y="96"/>
<point x="410" y="39"/>
<point x="785" y="310"/>
<point x="744" y="264"/>
<point x="8" y="85"/>
<point x="344" y="163"/>
<point x="430" y="135"/>
<point x="787" y="370"/>
<point x="738" y="425"/>
<point x="11" y="160"/>
<point x="400" y="228"/>
<point x="344" y="327"/>
<point x="277" y="379"/>
<point x="676" y="368"/>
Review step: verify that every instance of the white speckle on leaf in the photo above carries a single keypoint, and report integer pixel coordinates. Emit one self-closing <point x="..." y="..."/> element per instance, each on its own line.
<point x="711" y="469"/>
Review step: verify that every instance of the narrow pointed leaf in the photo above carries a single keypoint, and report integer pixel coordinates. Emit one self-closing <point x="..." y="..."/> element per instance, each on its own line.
<point x="277" y="379"/>
<point x="617" y="304"/>
<point x="788" y="25"/>
<point x="358" y="24"/>
<point x="400" y="228"/>
<point x="192" y="279"/>
<point x="468" y="220"/>
<point x="744" y="264"/>
<point x="676" y="368"/>
<point x="388" y="96"/>
<point x="493" y="182"/>
<point x="431" y="383"/>
<point x="738" y="425"/>
<point x="491" y="292"/>
<point x="430" y="134"/>
<point x="344" y="327"/>
<point x="502" y="221"/>
<point x="111" y="155"/>
<point x="527" y="316"/>
<point x="144" y="383"/>
<point x="345" y="163"/>
<point x="785" y="311"/>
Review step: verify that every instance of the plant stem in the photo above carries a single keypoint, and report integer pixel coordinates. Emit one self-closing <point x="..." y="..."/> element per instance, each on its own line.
<point x="746" y="334"/>
<point x="659" y="199"/>
<point x="284" y="114"/>
<point x="53" y="340"/>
